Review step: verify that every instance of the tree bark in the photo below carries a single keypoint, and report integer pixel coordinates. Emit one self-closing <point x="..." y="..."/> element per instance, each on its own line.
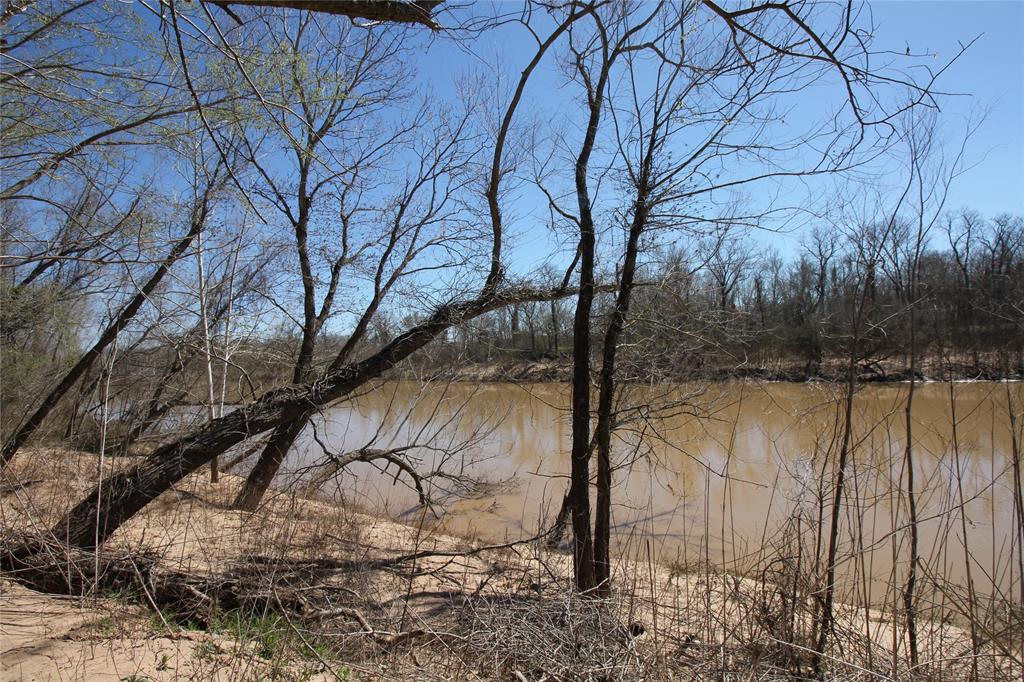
<point x="127" y="492"/>
<point x="602" y="512"/>
<point x="411" y="12"/>
<point x="204" y="321"/>
<point x="579" y="474"/>
<point x="909" y="591"/>
<point x="826" y="621"/>
<point x="262" y="474"/>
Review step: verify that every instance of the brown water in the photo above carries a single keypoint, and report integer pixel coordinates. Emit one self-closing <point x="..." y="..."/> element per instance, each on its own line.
<point x="712" y="474"/>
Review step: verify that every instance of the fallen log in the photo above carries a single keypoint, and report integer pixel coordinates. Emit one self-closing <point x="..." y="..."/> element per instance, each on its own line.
<point x="261" y="586"/>
<point x="48" y="566"/>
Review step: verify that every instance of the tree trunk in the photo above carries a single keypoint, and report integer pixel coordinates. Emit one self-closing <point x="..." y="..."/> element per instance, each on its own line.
<point x="910" y="588"/>
<point x="262" y="475"/>
<point x="826" y="621"/>
<point x="127" y="492"/>
<point x="579" y="475"/>
<point x="204" y="320"/>
<point x="554" y="328"/>
<point x="398" y="11"/>
<point x="21" y="436"/>
<point x="603" y="514"/>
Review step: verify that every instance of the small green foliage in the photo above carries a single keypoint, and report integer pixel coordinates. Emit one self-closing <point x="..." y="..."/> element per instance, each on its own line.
<point x="318" y="650"/>
<point x="107" y="626"/>
<point x="173" y="620"/>
<point x="127" y="594"/>
<point x="155" y="624"/>
<point x="207" y="650"/>
<point x="273" y="640"/>
<point x="134" y="678"/>
<point x="163" y="663"/>
<point x="267" y="631"/>
<point x="321" y="652"/>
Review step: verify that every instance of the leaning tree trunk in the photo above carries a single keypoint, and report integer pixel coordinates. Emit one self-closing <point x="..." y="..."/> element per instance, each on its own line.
<point x="266" y="467"/>
<point x="93" y="519"/>
<point x="262" y="474"/>
<point x="127" y="492"/>
<point x="32" y="424"/>
<point x="281" y="440"/>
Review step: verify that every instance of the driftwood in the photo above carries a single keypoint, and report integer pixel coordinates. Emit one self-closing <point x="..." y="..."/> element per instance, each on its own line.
<point x="8" y="488"/>
<point x="300" y="590"/>
<point x="54" y="568"/>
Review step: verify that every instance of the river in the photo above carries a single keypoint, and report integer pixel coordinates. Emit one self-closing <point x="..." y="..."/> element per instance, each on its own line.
<point x="715" y="474"/>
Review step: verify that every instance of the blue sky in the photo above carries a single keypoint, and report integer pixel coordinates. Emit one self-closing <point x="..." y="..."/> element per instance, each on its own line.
<point x="991" y="73"/>
<point x="986" y="82"/>
<point x="989" y="78"/>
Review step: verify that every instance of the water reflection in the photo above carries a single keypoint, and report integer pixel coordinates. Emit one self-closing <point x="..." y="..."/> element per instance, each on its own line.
<point x="711" y="474"/>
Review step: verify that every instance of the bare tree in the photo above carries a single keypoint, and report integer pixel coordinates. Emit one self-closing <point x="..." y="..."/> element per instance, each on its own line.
<point x="125" y="493"/>
<point x="340" y="79"/>
<point x="929" y="180"/>
<point x="709" y="89"/>
<point x="199" y="213"/>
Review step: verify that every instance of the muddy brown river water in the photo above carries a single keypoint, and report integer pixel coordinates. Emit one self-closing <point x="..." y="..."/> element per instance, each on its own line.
<point x="718" y="474"/>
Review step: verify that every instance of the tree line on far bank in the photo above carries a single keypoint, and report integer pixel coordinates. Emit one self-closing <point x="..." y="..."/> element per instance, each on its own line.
<point x="714" y="309"/>
<point x="724" y="307"/>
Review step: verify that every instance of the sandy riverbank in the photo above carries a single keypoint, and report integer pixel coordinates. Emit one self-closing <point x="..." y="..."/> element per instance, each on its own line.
<point x="456" y="610"/>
